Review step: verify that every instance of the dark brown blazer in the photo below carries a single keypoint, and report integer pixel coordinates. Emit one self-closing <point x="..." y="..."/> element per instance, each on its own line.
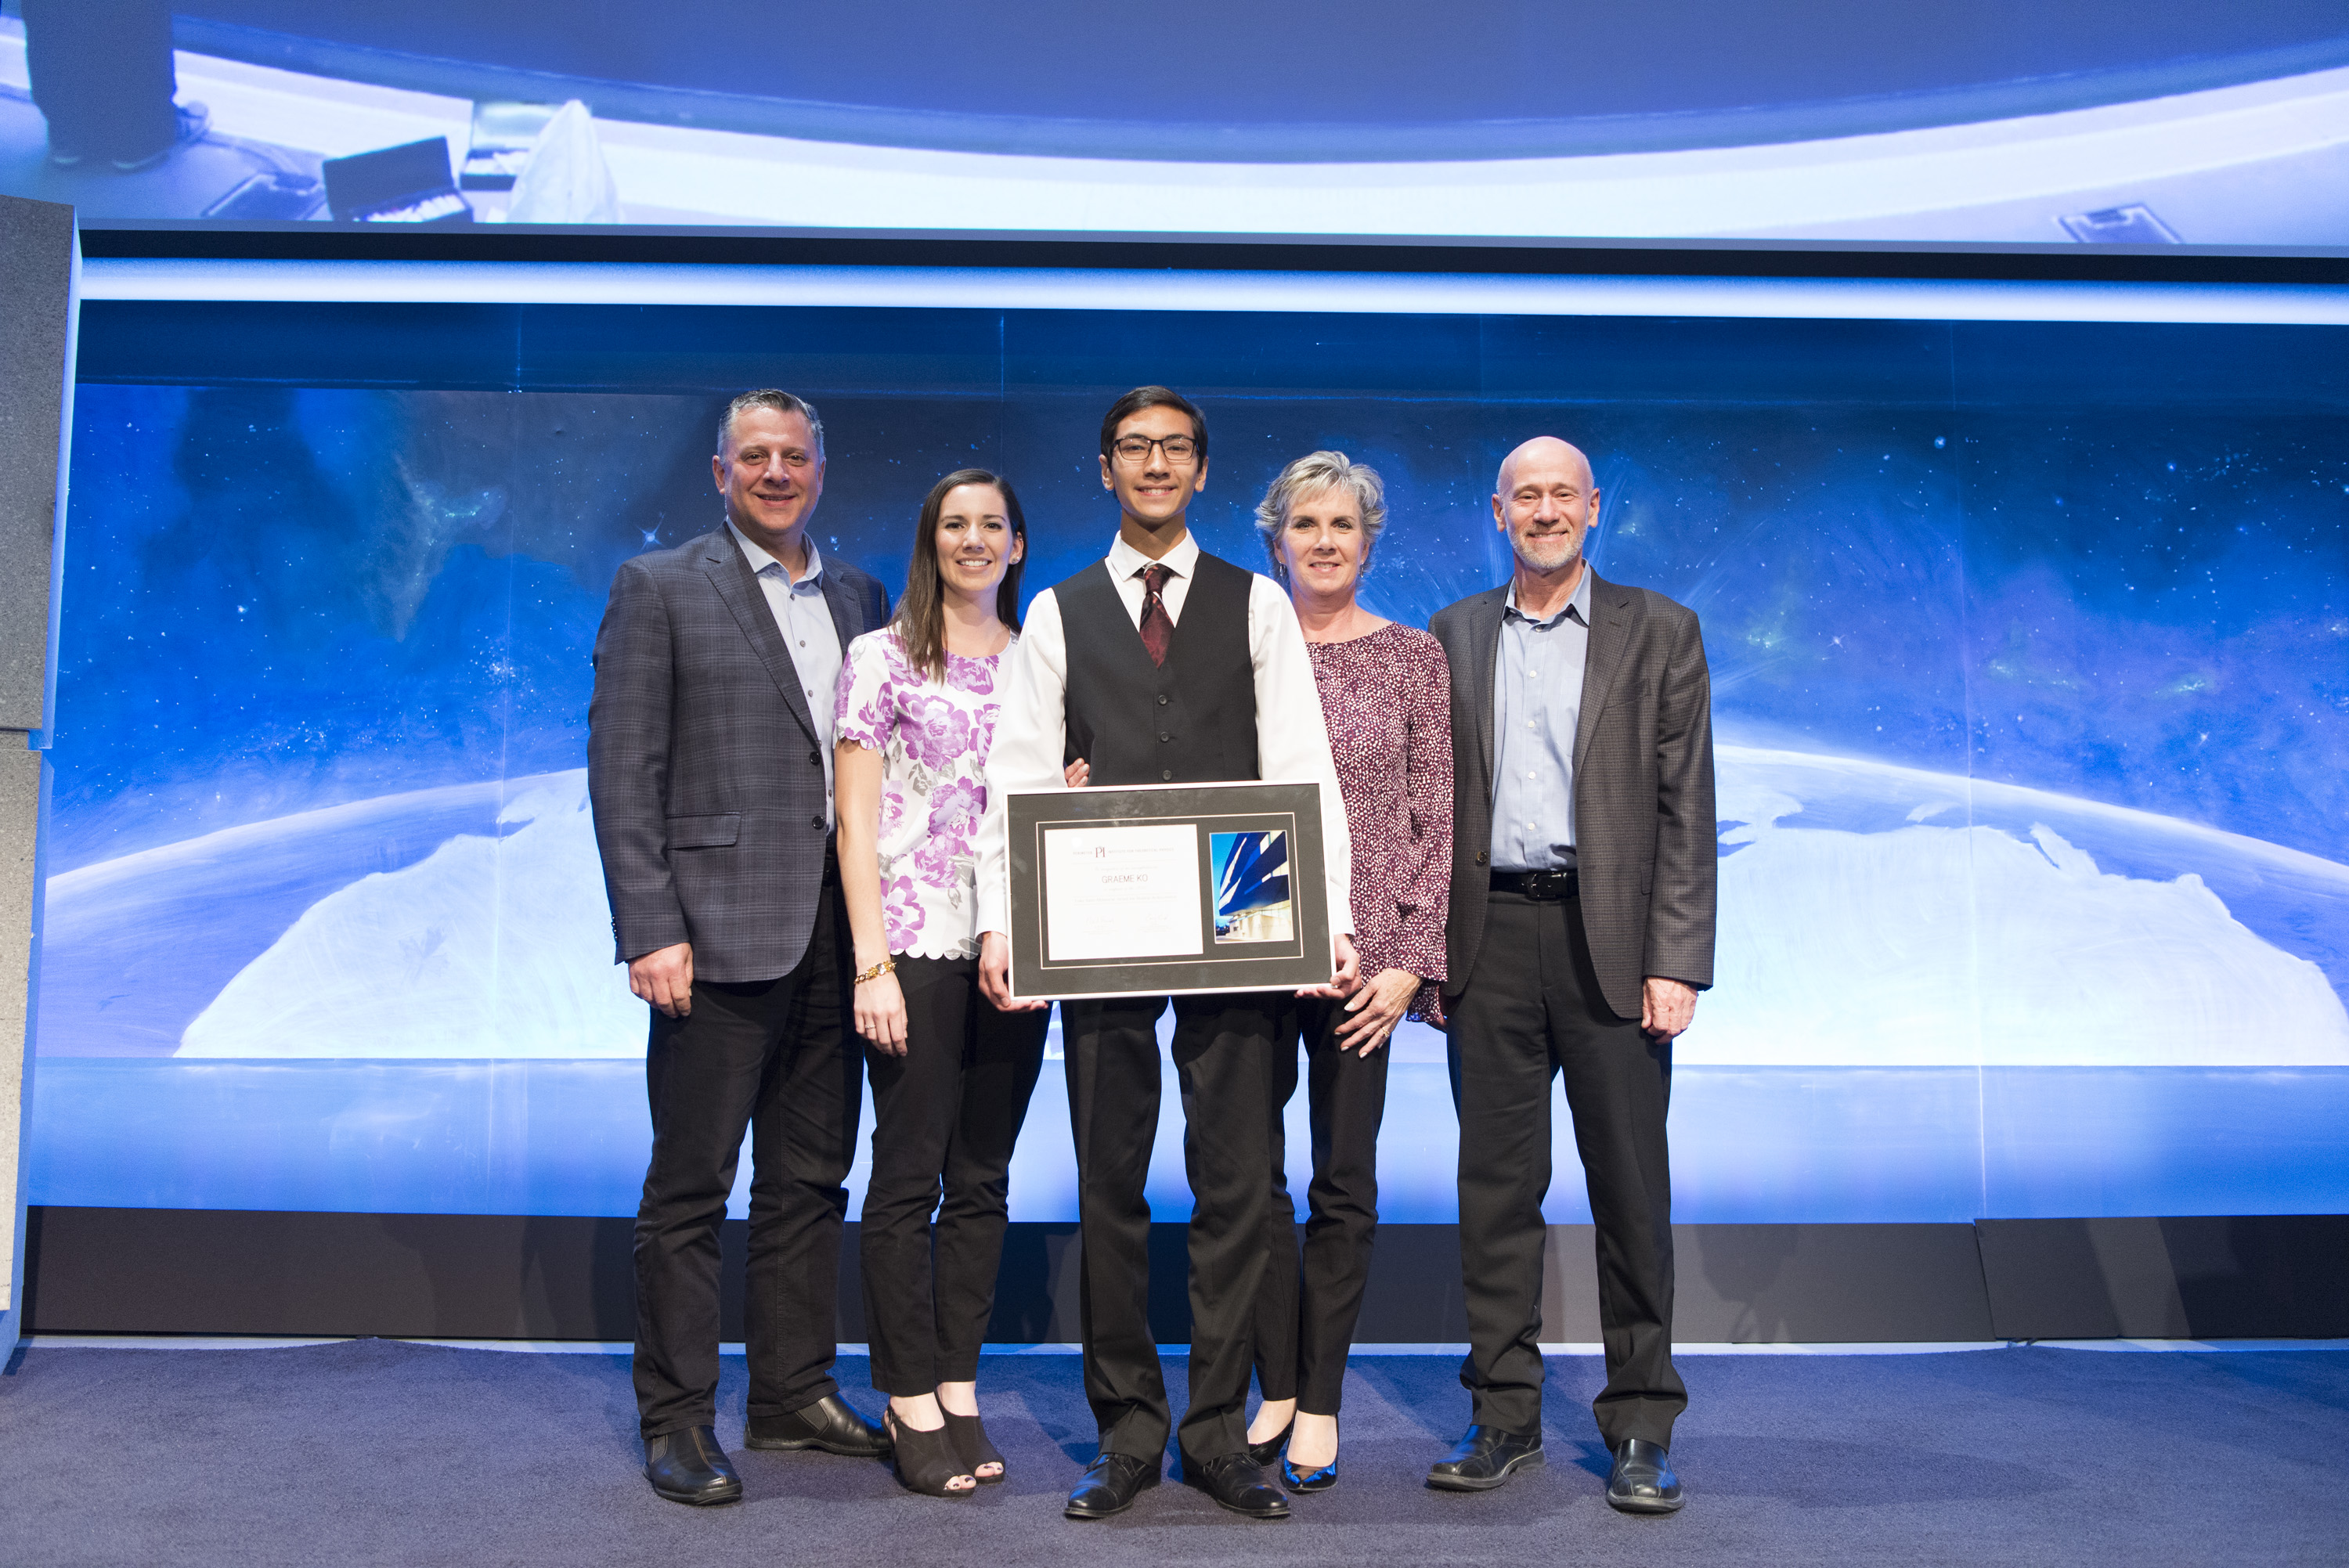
<point x="1644" y="830"/>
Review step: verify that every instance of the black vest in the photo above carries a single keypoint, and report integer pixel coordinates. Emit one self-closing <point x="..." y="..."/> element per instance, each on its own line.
<point x="1191" y="721"/>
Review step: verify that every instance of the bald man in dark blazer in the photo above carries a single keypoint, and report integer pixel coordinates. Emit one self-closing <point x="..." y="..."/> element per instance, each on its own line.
<point x="1584" y="868"/>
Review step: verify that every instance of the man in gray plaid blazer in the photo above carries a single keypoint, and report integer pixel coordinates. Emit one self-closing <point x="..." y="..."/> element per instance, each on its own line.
<point x="1584" y="865"/>
<point x="709" y="768"/>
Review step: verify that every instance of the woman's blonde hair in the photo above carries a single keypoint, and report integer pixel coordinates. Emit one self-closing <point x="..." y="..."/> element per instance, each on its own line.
<point x="1315" y="471"/>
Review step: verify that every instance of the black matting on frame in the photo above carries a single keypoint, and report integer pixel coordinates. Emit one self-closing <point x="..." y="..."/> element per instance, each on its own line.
<point x="1222" y="949"/>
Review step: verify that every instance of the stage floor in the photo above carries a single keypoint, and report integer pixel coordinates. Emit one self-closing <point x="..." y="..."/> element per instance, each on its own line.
<point x="384" y="1452"/>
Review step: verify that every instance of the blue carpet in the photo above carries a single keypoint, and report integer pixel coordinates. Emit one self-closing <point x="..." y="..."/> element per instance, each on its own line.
<point x="376" y="1451"/>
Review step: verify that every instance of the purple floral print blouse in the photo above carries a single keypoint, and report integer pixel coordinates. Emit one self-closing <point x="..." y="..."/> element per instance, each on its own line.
<point x="932" y="737"/>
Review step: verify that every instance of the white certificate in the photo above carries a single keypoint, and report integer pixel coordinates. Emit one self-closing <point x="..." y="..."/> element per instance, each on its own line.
<point x="1122" y="893"/>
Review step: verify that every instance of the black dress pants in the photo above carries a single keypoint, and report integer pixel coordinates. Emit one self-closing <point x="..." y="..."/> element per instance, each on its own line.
<point x="946" y="1117"/>
<point x="1305" y="1313"/>
<point x="1220" y="1045"/>
<point x="770" y="1056"/>
<point x="1532" y="1011"/>
<point x="102" y="75"/>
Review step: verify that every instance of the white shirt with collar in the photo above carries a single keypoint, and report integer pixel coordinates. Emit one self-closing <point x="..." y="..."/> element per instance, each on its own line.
<point x="805" y="620"/>
<point x="1292" y="743"/>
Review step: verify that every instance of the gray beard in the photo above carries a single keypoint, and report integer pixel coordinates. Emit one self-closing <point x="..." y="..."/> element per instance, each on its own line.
<point x="1555" y="559"/>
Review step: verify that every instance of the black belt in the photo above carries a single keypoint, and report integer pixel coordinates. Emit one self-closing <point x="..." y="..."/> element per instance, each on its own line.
<point x="1547" y="886"/>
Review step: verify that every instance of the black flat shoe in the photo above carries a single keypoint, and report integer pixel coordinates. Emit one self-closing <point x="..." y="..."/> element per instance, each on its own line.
<point x="1236" y="1482"/>
<point x="969" y="1434"/>
<point x="927" y="1462"/>
<point x="1642" y="1481"/>
<point x="689" y="1467"/>
<point x="1306" y="1484"/>
<point x="1321" y="1479"/>
<point x="1265" y="1452"/>
<point x="831" y="1424"/>
<point x="1110" y="1485"/>
<point x="1486" y="1458"/>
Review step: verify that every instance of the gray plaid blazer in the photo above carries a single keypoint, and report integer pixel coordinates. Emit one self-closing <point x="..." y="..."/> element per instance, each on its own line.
<point x="1644" y="830"/>
<point x="703" y="764"/>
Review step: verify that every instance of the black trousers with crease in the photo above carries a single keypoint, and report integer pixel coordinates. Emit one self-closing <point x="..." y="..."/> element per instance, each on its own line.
<point x="1532" y="1011"/>
<point x="1305" y="1313"/>
<point x="1219" y="1050"/>
<point x="947" y="1114"/>
<point x="769" y="1057"/>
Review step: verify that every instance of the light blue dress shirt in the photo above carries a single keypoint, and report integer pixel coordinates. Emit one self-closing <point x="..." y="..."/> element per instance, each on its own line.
<point x="805" y="620"/>
<point x="1537" y="703"/>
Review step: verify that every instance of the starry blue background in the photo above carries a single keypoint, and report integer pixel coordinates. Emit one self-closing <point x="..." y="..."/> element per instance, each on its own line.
<point x="2109" y="561"/>
<point x="319" y="554"/>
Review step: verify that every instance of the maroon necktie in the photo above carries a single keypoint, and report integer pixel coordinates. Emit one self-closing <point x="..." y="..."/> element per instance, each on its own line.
<point x="1157" y="626"/>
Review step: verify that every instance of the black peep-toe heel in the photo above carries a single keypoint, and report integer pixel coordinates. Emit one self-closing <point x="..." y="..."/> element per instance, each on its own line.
<point x="925" y="1461"/>
<point x="970" y="1444"/>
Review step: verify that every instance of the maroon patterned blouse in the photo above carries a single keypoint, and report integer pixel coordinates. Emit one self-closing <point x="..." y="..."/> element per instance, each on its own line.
<point x="1387" y="699"/>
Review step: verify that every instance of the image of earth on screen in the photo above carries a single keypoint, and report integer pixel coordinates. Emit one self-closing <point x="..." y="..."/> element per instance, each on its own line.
<point x="2030" y="649"/>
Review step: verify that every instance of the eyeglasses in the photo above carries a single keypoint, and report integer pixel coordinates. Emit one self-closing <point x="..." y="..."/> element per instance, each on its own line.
<point x="1136" y="449"/>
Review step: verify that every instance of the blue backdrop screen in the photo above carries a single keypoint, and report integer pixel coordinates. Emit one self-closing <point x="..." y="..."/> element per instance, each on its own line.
<point x="2031" y="657"/>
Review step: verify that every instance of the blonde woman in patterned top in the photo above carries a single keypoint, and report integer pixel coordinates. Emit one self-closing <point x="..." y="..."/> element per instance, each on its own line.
<point x="1386" y="695"/>
<point x="951" y="1075"/>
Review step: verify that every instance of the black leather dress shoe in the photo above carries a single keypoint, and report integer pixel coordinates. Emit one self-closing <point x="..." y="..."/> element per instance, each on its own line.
<point x="689" y="1467"/>
<point x="1237" y="1482"/>
<point x="1486" y="1458"/>
<point x="1110" y="1485"/>
<point x="1642" y="1481"/>
<point x="831" y="1424"/>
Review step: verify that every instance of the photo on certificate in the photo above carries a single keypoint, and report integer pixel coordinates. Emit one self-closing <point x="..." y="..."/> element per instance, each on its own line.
<point x="1167" y="890"/>
<point x="1252" y="887"/>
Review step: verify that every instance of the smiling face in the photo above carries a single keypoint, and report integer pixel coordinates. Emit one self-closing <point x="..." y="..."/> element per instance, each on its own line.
<point x="772" y="476"/>
<point x="975" y="541"/>
<point x="1545" y="503"/>
<point x="1321" y="544"/>
<point x="1155" y="489"/>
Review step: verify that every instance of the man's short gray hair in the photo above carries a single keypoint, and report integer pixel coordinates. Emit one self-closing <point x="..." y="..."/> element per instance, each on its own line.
<point x="1318" y="471"/>
<point x="781" y="402"/>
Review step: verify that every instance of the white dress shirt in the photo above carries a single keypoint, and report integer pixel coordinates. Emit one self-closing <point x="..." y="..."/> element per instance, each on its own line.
<point x="1292" y="744"/>
<point x="804" y="618"/>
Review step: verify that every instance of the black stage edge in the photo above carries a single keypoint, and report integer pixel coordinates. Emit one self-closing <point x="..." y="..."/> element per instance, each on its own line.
<point x="2254" y="1276"/>
<point x="470" y="1276"/>
<point x="193" y="239"/>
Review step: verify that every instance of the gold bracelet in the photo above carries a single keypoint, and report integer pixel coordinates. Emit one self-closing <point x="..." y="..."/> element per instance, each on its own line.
<point x="878" y="970"/>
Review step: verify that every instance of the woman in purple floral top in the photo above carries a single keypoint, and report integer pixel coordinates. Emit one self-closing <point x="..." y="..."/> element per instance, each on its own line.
<point x="1386" y="695"/>
<point x="951" y="1075"/>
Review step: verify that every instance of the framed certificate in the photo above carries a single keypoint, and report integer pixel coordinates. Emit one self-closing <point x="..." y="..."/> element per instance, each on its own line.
<point x="1167" y="888"/>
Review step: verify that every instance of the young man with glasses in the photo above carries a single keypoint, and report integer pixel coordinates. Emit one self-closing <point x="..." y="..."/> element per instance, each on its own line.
<point x="1162" y="665"/>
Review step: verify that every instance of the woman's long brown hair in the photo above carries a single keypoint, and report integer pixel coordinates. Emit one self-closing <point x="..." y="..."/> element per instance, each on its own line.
<point x="921" y="618"/>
